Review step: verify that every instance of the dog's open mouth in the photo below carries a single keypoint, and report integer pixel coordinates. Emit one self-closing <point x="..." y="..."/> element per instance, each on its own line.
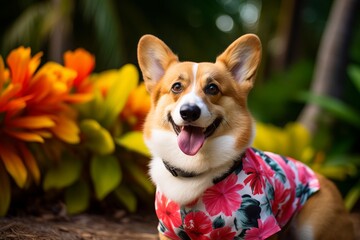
<point x="191" y="138"/>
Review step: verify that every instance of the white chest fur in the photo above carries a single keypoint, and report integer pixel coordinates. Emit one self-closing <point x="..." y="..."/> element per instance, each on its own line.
<point x="214" y="159"/>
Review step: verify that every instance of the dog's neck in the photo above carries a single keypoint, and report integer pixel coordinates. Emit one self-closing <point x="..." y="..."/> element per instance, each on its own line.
<point x="183" y="186"/>
<point x="178" y="172"/>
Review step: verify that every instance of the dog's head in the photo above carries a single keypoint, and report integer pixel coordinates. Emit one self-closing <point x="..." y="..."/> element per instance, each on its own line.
<point x="197" y="106"/>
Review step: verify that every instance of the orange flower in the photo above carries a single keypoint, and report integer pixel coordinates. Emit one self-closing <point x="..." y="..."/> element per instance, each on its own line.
<point x="137" y="107"/>
<point x="34" y="106"/>
<point x="22" y="66"/>
<point x="83" y="63"/>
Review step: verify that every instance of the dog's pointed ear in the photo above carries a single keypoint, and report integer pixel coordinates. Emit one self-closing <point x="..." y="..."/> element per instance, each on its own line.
<point x="154" y="57"/>
<point x="242" y="58"/>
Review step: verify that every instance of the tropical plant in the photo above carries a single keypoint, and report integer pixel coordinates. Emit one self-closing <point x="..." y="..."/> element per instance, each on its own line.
<point x="294" y="140"/>
<point x="64" y="127"/>
<point x="53" y="24"/>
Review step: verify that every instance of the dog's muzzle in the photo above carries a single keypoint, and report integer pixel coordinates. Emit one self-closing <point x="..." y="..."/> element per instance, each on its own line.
<point x="191" y="138"/>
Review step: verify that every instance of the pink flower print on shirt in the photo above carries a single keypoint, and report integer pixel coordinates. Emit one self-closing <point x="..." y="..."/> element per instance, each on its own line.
<point x="171" y="234"/>
<point x="287" y="166"/>
<point x="223" y="197"/>
<point x="255" y="173"/>
<point x="168" y="212"/>
<point x="264" y="230"/>
<point x="197" y="225"/>
<point x="282" y="204"/>
<point x="223" y="233"/>
<point x="305" y="174"/>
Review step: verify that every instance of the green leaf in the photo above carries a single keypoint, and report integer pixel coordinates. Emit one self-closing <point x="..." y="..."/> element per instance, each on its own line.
<point x="30" y="28"/>
<point x="126" y="197"/>
<point x="96" y="138"/>
<point x="106" y="174"/>
<point x="140" y="176"/>
<point x="98" y="103"/>
<point x="354" y="73"/>
<point x="219" y="222"/>
<point x="285" y="84"/>
<point x="126" y="80"/>
<point x="77" y="197"/>
<point x="92" y="108"/>
<point x="5" y="190"/>
<point x="334" y="106"/>
<point x="64" y="174"/>
<point x="353" y="196"/>
<point x="134" y="141"/>
<point x="336" y="172"/>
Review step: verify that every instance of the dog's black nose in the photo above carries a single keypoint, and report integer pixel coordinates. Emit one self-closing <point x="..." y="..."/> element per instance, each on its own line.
<point x="190" y="112"/>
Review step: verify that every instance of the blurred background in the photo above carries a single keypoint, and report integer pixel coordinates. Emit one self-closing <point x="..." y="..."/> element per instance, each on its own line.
<point x="309" y="75"/>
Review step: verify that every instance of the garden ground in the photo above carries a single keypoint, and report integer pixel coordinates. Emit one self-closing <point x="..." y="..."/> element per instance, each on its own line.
<point x="119" y="226"/>
<point x="81" y="227"/>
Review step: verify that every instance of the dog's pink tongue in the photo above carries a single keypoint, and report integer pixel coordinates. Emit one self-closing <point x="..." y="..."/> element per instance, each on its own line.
<point x="191" y="139"/>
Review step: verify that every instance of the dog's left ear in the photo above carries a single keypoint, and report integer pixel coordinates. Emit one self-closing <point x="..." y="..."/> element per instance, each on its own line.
<point x="242" y="58"/>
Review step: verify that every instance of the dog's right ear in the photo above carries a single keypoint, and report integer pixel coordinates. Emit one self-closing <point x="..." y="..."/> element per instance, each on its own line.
<point x="154" y="57"/>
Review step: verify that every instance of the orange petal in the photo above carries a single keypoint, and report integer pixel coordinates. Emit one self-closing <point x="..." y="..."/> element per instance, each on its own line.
<point x="18" y="61"/>
<point x="67" y="111"/>
<point x="43" y="133"/>
<point x="21" y="65"/>
<point x="78" y="98"/>
<point x="34" y="63"/>
<point x="67" y="130"/>
<point x="141" y="100"/>
<point x="81" y="61"/>
<point x="137" y="105"/>
<point x="14" y="106"/>
<point x="61" y="78"/>
<point x="30" y="163"/>
<point x="25" y="136"/>
<point x="10" y="91"/>
<point x="39" y="88"/>
<point x="32" y="122"/>
<point x="13" y="164"/>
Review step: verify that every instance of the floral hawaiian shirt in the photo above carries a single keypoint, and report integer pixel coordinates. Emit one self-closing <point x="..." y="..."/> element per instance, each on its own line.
<point x="253" y="202"/>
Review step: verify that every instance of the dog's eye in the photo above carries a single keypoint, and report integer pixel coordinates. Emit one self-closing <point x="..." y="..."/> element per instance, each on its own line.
<point x="177" y="88"/>
<point x="212" y="89"/>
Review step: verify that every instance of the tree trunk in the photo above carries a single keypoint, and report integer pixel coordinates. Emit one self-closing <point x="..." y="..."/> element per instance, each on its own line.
<point x="329" y="75"/>
<point x="287" y="34"/>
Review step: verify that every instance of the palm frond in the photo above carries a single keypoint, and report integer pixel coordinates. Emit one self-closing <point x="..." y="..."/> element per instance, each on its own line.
<point x="102" y="13"/>
<point x="30" y="29"/>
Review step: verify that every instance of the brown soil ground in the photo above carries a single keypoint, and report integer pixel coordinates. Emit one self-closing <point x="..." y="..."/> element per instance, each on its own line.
<point x="81" y="227"/>
<point x="90" y="227"/>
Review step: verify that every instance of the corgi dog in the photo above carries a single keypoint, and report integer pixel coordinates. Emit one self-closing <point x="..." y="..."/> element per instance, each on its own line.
<point x="211" y="184"/>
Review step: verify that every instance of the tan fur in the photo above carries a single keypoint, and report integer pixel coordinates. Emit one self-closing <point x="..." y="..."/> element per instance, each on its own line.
<point x="234" y="73"/>
<point x="325" y="212"/>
